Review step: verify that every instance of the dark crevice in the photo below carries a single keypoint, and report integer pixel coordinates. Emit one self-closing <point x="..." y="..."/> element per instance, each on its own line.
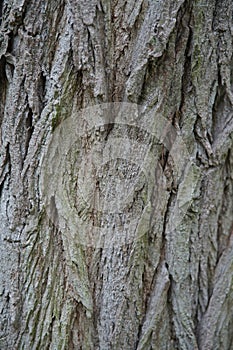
<point x="92" y="50"/>
<point x="29" y="120"/>
<point x="203" y="157"/>
<point x="3" y="89"/>
<point x="1" y="7"/>
<point x="218" y="105"/>
<point x="19" y="16"/>
<point x="163" y="157"/>
<point x="199" y="309"/>
<point x="186" y="78"/>
<point x="151" y="283"/>
<point x="55" y="12"/>
<point x="210" y="274"/>
<point x="10" y="42"/>
<point x="149" y="76"/>
<point x="223" y="239"/>
<point x="11" y="69"/>
<point x="222" y="111"/>
<point x="171" y="313"/>
<point x="163" y="256"/>
<point x="139" y="334"/>
<point x="43" y="82"/>
<point x="170" y="200"/>
<point x="29" y="130"/>
<point x="42" y="90"/>
<point x="106" y="49"/>
<point x="7" y="162"/>
<point x="186" y="84"/>
<point x="183" y="23"/>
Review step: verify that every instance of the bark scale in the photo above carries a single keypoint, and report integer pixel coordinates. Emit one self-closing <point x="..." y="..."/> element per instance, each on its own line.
<point x="170" y="288"/>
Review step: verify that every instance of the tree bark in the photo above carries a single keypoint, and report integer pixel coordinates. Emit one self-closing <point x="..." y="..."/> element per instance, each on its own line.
<point x="151" y="82"/>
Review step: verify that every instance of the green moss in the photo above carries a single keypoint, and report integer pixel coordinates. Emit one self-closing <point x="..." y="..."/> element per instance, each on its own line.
<point x="56" y="119"/>
<point x="197" y="61"/>
<point x="64" y="107"/>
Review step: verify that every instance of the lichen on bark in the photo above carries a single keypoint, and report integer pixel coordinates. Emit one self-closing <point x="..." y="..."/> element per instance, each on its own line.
<point x="171" y="288"/>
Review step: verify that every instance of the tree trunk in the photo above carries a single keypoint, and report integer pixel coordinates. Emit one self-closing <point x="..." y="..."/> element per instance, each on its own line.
<point x="116" y="174"/>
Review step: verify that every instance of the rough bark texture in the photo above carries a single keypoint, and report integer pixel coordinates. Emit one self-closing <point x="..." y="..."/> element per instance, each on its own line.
<point x="170" y="288"/>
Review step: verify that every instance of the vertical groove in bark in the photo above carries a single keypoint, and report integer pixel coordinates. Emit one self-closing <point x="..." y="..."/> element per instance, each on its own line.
<point x="172" y="287"/>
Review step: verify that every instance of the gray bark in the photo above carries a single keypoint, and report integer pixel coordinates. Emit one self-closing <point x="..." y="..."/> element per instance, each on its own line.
<point x="170" y="286"/>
